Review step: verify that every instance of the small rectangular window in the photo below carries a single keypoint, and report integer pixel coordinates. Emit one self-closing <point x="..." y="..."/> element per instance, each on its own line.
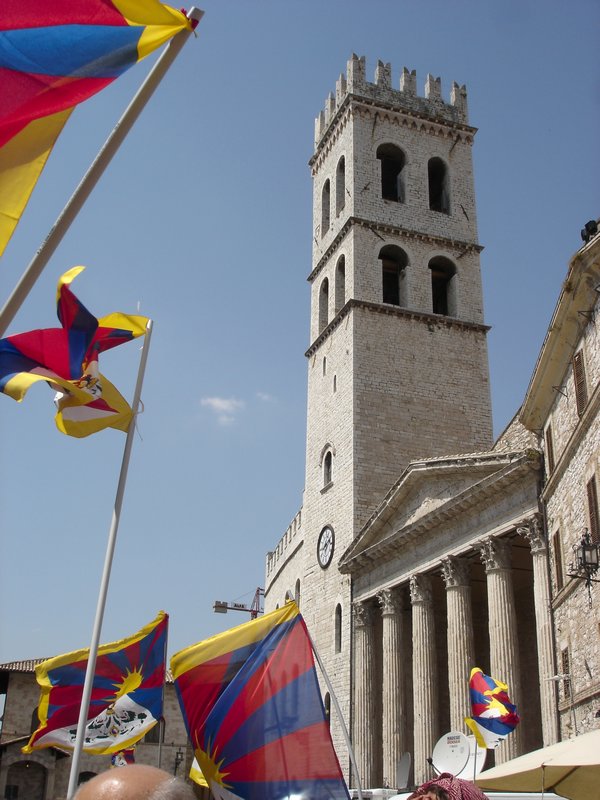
<point x="11" y="792"/>
<point x="580" y="384"/>
<point x="558" y="561"/>
<point x="565" y="669"/>
<point x="592" y="498"/>
<point x="549" y="450"/>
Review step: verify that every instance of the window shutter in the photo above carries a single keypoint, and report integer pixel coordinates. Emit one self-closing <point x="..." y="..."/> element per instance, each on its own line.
<point x="579" y="379"/>
<point x="565" y="671"/>
<point x="592" y="496"/>
<point x="558" y="565"/>
<point x="549" y="449"/>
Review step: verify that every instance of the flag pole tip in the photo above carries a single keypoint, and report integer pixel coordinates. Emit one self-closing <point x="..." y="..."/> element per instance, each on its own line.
<point x="194" y="15"/>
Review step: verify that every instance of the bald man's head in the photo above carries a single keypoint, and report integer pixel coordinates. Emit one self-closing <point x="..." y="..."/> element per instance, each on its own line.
<point x="135" y="782"/>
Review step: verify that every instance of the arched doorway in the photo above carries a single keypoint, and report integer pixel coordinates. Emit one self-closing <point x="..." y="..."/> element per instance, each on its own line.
<point x="26" y="780"/>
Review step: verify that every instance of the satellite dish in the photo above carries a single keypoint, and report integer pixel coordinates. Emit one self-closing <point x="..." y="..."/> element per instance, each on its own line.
<point x="402" y="770"/>
<point x="451" y="753"/>
<point x="476" y="760"/>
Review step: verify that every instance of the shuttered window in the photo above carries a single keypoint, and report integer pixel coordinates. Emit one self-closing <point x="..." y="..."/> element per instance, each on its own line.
<point x="558" y="561"/>
<point x="592" y="497"/>
<point x="564" y="663"/>
<point x="549" y="450"/>
<point x="579" y="379"/>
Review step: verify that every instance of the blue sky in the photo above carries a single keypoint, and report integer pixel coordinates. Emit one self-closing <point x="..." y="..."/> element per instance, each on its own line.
<point x="203" y="219"/>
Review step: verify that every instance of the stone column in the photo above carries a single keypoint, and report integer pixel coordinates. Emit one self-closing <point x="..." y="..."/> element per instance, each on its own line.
<point x="393" y="685"/>
<point x="461" y="648"/>
<point x="363" y="692"/>
<point x="504" y="649"/>
<point x="424" y="676"/>
<point x="534" y="533"/>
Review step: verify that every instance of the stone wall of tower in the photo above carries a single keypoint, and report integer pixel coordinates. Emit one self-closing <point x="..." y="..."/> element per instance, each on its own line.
<point x="330" y="429"/>
<point x="419" y="380"/>
<point x="358" y="248"/>
<point x="418" y="393"/>
<point x="367" y="283"/>
<point x="420" y="142"/>
<point x="363" y="115"/>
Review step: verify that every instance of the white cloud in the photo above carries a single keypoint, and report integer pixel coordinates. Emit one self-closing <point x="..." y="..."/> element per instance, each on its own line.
<point x="265" y="397"/>
<point x="225" y="408"/>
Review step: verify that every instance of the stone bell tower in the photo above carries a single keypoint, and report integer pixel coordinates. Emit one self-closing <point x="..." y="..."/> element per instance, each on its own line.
<point x="397" y="361"/>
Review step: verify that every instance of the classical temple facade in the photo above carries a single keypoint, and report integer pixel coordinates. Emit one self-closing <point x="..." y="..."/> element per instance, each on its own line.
<point x="421" y="549"/>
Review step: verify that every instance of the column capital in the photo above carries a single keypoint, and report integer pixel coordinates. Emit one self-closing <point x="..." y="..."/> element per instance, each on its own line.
<point x="455" y="572"/>
<point x="532" y="529"/>
<point x="363" y="614"/>
<point x="495" y="554"/>
<point x="420" y="589"/>
<point x="389" y="602"/>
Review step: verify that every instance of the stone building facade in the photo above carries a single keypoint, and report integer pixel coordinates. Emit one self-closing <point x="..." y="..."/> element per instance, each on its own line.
<point x="44" y="774"/>
<point x="412" y="564"/>
<point x="562" y="405"/>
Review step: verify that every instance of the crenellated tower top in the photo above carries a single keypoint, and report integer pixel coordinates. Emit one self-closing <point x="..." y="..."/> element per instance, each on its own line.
<point x="381" y="91"/>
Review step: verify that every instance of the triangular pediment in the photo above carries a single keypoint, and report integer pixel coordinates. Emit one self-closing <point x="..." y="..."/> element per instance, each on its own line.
<point x="432" y="490"/>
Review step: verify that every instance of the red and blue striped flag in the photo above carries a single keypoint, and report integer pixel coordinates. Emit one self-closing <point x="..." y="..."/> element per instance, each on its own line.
<point x="123" y="758"/>
<point x="254" y="714"/>
<point x="493" y="715"/>
<point x="126" y="699"/>
<point x="67" y="359"/>
<point x="53" y="55"/>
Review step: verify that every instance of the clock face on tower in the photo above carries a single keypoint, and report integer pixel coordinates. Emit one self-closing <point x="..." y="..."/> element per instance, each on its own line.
<point x="325" y="547"/>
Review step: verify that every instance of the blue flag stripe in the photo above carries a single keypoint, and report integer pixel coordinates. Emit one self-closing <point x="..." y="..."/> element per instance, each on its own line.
<point x="77" y="51"/>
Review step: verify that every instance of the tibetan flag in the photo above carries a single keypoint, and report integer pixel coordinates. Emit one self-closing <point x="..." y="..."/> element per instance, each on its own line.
<point x="53" y="55"/>
<point x="253" y="711"/>
<point x="106" y="407"/>
<point x="493" y="715"/>
<point x="67" y="359"/>
<point x="126" y="699"/>
<point x="123" y="757"/>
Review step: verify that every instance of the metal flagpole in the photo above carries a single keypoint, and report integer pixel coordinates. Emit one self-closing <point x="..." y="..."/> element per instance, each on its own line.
<point x="339" y="713"/>
<point x="110" y="548"/>
<point x="161" y="721"/>
<point x="93" y="175"/>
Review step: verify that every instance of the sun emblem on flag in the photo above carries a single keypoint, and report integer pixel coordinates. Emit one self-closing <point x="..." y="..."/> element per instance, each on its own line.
<point x="122" y="716"/>
<point x="211" y="767"/>
<point x="128" y="683"/>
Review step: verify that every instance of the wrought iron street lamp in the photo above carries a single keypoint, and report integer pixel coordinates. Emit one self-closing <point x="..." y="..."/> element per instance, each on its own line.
<point x="178" y="760"/>
<point x="586" y="563"/>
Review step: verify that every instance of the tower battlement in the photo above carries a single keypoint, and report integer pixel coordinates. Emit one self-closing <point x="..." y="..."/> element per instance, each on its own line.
<point x="381" y="91"/>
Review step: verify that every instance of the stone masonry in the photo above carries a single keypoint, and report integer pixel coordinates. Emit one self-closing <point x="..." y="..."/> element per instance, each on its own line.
<point x="388" y="381"/>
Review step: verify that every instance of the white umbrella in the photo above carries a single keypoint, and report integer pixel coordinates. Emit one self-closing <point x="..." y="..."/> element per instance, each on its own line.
<point x="570" y="768"/>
